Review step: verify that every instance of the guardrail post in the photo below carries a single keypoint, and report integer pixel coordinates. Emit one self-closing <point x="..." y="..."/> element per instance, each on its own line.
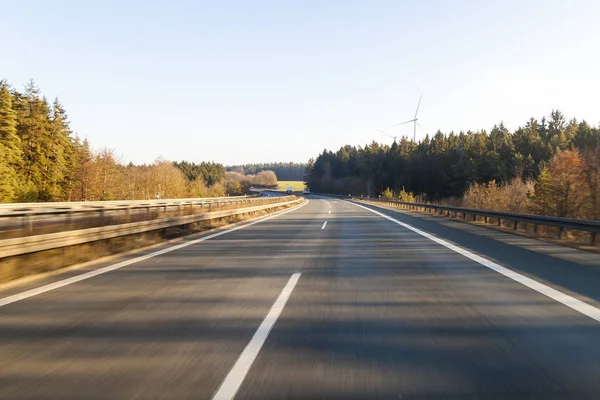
<point x="499" y="221"/>
<point x="464" y="215"/>
<point x="515" y="225"/>
<point x="485" y="219"/>
<point x="560" y="233"/>
<point x="592" y="238"/>
<point x="28" y="223"/>
<point x="535" y="229"/>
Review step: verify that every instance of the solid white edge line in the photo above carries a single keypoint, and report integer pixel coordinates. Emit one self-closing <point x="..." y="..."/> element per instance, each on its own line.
<point x="56" y="285"/>
<point x="539" y="287"/>
<point x="324" y="225"/>
<point x="236" y="375"/>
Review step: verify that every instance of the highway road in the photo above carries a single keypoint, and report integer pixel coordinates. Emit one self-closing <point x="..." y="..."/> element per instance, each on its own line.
<point x="330" y="300"/>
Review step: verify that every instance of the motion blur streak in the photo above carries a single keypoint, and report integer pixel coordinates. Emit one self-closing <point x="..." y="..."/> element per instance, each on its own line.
<point x="91" y="274"/>
<point x="236" y="376"/>
<point x="380" y="312"/>
<point x="554" y="294"/>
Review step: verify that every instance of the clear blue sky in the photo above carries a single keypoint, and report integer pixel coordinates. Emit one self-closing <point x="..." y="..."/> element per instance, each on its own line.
<point x="255" y="81"/>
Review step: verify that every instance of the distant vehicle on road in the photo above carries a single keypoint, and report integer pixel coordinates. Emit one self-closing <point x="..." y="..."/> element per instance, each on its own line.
<point x="306" y="191"/>
<point x="289" y="190"/>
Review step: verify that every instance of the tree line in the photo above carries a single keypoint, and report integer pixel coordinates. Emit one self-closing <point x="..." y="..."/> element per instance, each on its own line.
<point x="41" y="159"/>
<point x="556" y="161"/>
<point x="285" y="171"/>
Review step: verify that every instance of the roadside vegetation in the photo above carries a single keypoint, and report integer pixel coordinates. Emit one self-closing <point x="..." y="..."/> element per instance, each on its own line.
<point x="240" y="183"/>
<point x="547" y="167"/>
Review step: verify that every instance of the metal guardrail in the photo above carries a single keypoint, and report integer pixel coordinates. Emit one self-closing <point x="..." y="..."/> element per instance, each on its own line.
<point x="19" y="209"/>
<point x="31" y="244"/>
<point x="35" y="218"/>
<point x="592" y="227"/>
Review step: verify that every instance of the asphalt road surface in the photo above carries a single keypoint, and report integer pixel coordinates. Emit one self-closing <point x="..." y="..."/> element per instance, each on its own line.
<point x="327" y="301"/>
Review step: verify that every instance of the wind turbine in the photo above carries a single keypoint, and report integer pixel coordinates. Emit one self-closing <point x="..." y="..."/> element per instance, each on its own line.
<point x="415" y="120"/>
<point x="387" y="134"/>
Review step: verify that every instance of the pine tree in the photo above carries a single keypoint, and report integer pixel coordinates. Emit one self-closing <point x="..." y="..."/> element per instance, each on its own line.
<point x="60" y="152"/>
<point x="10" y="146"/>
<point x="33" y="130"/>
<point x="80" y="189"/>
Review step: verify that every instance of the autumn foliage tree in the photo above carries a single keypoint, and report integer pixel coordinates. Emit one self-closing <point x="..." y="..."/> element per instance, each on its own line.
<point x="263" y="179"/>
<point x="568" y="192"/>
<point x="591" y="172"/>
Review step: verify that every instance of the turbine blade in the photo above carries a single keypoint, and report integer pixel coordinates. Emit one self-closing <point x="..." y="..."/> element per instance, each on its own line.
<point x="418" y="105"/>
<point x="405" y="122"/>
<point x="387" y="134"/>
